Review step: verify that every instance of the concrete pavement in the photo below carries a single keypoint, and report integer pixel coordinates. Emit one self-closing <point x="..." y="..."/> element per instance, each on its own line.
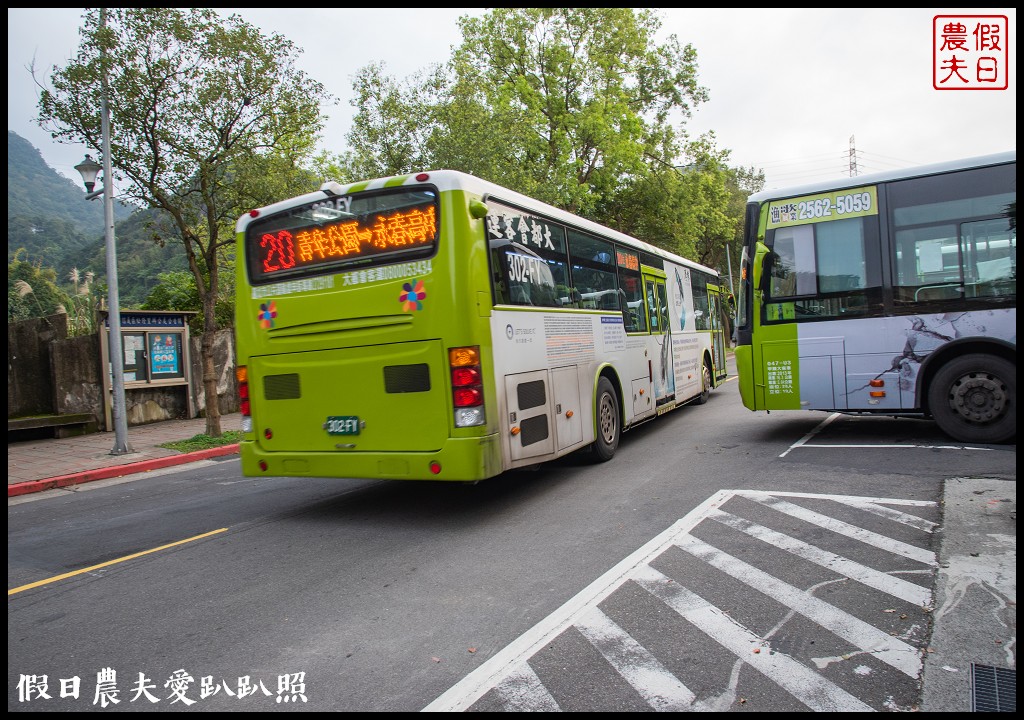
<point x="36" y="465"/>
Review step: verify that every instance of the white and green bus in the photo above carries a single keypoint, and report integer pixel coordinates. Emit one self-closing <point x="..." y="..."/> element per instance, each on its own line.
<point x="436" y="326"/>
<point x="893" y="293"/>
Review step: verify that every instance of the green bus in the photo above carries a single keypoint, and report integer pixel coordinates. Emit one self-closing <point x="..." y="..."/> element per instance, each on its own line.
<point x="893" y="294"/>
<point x="434" y="326"/>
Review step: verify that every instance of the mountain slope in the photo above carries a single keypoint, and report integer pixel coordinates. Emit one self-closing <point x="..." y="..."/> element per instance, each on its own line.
<point x="48" y="216"/>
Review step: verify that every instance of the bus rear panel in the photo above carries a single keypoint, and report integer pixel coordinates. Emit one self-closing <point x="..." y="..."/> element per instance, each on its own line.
<point x="354" y="323"/>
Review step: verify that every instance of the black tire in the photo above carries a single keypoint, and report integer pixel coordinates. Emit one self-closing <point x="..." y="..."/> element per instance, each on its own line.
<point x="973" y="398"/>
<point x="706" y="381"/>
<point x="609" y="425"/>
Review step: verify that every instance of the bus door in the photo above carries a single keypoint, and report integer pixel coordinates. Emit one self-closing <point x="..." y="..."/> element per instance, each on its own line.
<point x="719" y="326"/>
<point x="662" y="368"/>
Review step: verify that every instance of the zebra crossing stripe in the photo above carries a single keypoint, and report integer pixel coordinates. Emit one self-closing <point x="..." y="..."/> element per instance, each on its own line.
<point x="514" y="682"/>
<point x="877" y="505"/>
<point x="921" y="555"/>
<point x="889" y="513"/>
<point x="897" y="587"/>
<point x="890" y="650"/>
<point x="804" y="684"/>
<point x="522" y="691"/>
<point x="471" y="688"/>
<point x="659" y="688"/>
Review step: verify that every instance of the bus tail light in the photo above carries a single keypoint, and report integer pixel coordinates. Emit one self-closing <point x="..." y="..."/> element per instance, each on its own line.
<point x="242" y="373"/>
<point x="467" y="386"/>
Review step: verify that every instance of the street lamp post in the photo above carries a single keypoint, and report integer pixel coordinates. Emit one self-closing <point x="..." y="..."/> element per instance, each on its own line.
<point x="89" y="169"/>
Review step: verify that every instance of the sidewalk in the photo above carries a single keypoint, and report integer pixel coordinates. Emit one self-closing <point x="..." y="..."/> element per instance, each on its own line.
<point x="36" y="465"/>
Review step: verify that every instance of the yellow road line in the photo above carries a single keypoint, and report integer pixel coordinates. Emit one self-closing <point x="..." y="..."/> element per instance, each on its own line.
<point x="111" y="562"/>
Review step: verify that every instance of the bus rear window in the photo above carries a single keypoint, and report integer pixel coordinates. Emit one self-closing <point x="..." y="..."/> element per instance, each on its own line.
<point x="342" y="233"/>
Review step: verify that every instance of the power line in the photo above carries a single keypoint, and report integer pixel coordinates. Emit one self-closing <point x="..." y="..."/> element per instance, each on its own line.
<point x="853" y="162"/>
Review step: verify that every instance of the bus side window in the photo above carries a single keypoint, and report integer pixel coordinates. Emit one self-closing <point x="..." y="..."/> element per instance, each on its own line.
<point x="500" y="290"/>
<point x="652" y="307"/>
<point x="521" y="295"/>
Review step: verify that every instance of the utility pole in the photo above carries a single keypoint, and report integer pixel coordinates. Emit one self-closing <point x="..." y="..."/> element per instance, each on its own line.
<point x="89" y="169"/>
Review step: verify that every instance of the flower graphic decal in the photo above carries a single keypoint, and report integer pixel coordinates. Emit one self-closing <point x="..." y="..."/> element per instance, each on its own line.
<point x="410" y="299"/>
<point x="268" y="311"/>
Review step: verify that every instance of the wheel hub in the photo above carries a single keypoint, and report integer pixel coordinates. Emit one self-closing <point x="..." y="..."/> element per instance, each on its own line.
<point x="978" y="398"/>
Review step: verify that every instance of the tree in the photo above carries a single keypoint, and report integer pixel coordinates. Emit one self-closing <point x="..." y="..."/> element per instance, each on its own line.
<point x="197" y="102"/>
<point x="565" y="104"/>
<point x="684" y="209"/>
<point x="177" y="291"/>
<point x="586" y="93"/>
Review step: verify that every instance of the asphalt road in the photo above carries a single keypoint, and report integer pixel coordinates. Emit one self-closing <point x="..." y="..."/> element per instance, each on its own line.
<point x="723" y="560"/>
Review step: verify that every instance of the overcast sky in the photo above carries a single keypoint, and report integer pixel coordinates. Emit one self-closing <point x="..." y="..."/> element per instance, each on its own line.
<point x="792" y="91"/>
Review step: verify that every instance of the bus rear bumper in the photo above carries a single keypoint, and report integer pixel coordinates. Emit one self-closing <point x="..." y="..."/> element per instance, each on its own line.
<point x="459" y="460"/>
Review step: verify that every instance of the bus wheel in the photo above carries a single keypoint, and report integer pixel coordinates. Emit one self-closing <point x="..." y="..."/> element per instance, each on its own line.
<point x="705" y="390"/>
<point x="608" y="426"/>
<point x="974" y="399"/>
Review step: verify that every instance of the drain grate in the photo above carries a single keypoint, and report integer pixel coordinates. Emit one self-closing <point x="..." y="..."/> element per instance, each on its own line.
<point x="993" y="689"/>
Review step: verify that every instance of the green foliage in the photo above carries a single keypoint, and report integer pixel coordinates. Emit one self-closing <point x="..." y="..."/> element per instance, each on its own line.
<point x="47" y="214"/>
<point x="585" y="92"/>
<point x="580" y="107"/>
<point x="82" y="303"/>
<point x="201" y="106"/>
<point x="177" y="291"/>
<point x="34" y="291"/>
<point x="31" y="289"/>
<point x="45" y="219"/>
<point x="584" y="99"/>
<point x="204" y="442"/>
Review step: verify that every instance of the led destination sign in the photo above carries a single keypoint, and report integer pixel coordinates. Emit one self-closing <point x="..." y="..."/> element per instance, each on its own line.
<point x="315" y="238"/>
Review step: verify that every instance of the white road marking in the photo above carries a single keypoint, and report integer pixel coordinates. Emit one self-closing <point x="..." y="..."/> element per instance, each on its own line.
<point x="895" y="515"/>
<point x="508" y="672"/>
<point x="658" y="687"/>
<point x="802" y="442"/>
<point x="804" y="684"/>
<point x="821" y="426"/>
<point x="886" y="648"/>
<point x="522" y="691"/>
<point x="876" y="445"/>
<point x="472" y="687"/>
<point x="838" y="526"/>
<point x="876" y="579"/>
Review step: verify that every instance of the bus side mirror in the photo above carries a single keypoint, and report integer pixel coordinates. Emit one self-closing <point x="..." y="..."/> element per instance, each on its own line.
<point x="766" y="272"/>
<point x="477" y="209"/>
<point x="761" y="266"/>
